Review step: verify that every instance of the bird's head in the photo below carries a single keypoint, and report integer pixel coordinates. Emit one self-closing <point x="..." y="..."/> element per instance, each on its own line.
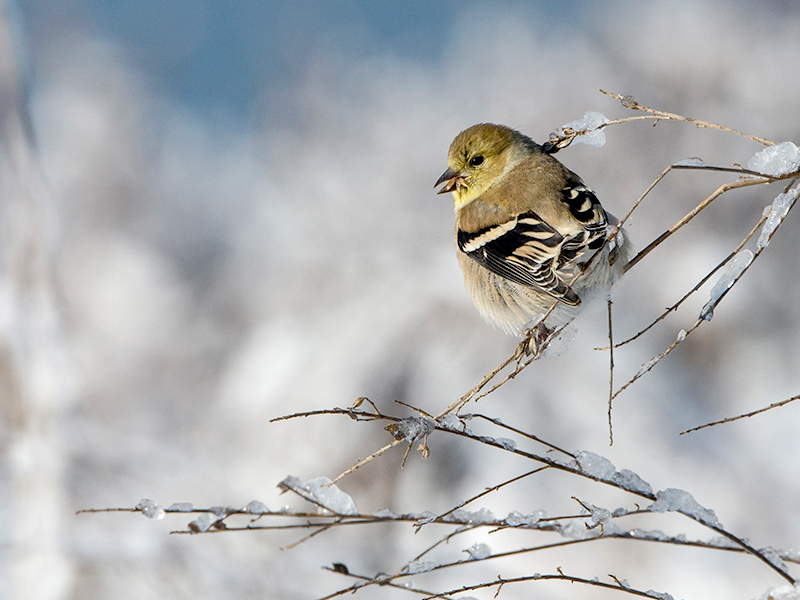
<point x="478" y="158"/>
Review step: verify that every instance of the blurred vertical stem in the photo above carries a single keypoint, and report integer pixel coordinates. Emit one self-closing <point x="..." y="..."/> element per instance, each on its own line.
<point x="33" y="377"/>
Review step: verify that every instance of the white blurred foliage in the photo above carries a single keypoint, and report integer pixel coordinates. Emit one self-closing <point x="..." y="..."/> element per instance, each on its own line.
<point x="213" y="278"/>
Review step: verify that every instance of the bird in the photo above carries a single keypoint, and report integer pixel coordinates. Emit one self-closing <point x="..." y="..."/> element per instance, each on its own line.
<point x="527" y="231"/>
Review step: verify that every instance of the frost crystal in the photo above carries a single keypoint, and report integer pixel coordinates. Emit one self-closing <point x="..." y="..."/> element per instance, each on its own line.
<point x="675" y="500"/>
<point x="256" y="507"/>
<point x="478" y="551"/>
<point x="692" y="161"/>
<point x="681" y="335"/>
<point x="737" y="266"/>
<point x="589" y="123"/>
<point x="181" y="507"/>
<point x="776" y="160"/>
<point x="777" y="212"/>
<point x="150" y="509"/>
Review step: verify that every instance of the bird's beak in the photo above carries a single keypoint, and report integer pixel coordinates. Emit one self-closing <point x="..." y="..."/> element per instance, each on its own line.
<point x="453" y="181"/>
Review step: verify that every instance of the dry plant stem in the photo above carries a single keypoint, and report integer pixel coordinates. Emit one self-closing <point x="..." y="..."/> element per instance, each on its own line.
<point x="750" y="414"/>
<point x="655" y="360"/>
<point x="692" y="214"/>
<point x="661" y="115"/>
<point x="700" y="284"/>
<point x="500" y="582"/>
<point x="610" y="375"/>
<point x="530" y="436"/>
<point x="367" y="581"/>
<point x="489" y="490"/>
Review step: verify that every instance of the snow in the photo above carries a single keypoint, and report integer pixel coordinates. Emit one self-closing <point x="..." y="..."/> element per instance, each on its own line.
<point x="589" y="123"/>
<point x="256" y="507"/>
<point x="150" y="509"/>
<point x="736" y="267"/>
<point x="681" y="335"/>
<point x="780" y="207"/>
<point x="692" y="161"/>
<point x="385" y="513"/>
<point x="181" y="507"/>
<point x="675" y="500"/>
<point x="776" y="160"/>
<point x="479" y="551"/>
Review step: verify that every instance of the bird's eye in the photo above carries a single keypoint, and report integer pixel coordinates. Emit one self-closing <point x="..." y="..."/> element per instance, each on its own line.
<point x="476" y="161"/>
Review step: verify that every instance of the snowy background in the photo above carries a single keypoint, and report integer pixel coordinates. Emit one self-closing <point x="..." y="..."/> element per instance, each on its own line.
<point x="235" y="220"/>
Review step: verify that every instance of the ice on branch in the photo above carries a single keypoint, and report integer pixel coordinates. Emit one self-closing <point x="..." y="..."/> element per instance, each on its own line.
<point x="786" y="592"/>
<point x="256" y="507"/>
<point x="421" y="566"/>
<point x="736" y="267"/>
<point x="588" y="125"/>
<point x="660" y="595"/>
<point x="601" y="468"/>
<point x="780" y="207"/>
<point x="675" y="500"/>
<point x="692" y="161"/>
<point x="411" y="428"/>
<point x="150" y="509"/>
<point x="559" y="344"/>
<point x="181" y="507"/>
<point x="478" y="551"/>
<point x="517" y="519"/>
<point x="203" y="522"/>
<point x="776" y="160"/>
<point x="322" y="492"/>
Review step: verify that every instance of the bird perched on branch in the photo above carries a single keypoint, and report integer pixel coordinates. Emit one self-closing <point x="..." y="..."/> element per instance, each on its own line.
<point x="530" y="236"/>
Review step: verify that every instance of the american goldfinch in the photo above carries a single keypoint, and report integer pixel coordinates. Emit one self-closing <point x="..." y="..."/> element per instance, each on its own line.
<point x="526" y="227"/>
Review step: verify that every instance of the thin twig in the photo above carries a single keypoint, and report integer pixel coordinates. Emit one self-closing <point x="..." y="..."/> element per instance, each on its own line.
<point x="750" y="414"/>
<point x="700" y="284"/>
<point x="629" y="102"/>
<point x="610" y="375"/>
<point x="691" y="215"/>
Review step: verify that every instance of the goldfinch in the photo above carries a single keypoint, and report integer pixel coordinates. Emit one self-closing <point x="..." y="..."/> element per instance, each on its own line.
<point x="526" y="227"/>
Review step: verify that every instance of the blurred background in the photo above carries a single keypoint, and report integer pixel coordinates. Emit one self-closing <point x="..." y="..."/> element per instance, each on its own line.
<point x="216" y="213"/>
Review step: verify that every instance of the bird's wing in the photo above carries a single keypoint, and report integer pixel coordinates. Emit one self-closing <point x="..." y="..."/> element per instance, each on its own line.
<point x="525" y="250"/>
<point x="585" y="207"/>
